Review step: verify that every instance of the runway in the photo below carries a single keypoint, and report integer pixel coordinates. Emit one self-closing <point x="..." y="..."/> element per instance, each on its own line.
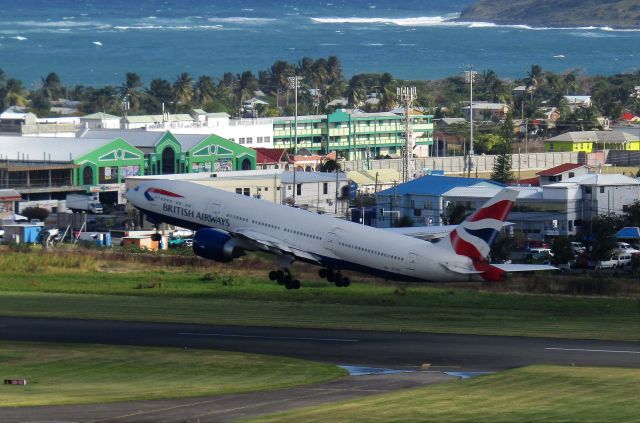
<point x="387" y="349"/>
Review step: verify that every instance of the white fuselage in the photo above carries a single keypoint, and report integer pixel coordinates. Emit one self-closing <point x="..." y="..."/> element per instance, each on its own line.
<point x="338" y="243"/>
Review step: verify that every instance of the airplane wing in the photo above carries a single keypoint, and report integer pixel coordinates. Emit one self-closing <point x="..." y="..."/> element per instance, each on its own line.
<point x="424" y="232"/>
<point x="428" y="232"/>
<point x="274" y="245"/>
<point x="523" y="267"/>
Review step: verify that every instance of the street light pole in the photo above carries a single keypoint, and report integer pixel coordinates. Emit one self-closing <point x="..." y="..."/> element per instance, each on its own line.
<point x="469" y="76"/>
<point x="293" y="84"/>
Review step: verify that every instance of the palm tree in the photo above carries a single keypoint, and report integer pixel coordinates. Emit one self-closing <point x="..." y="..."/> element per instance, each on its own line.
<point x="183" y="88"/>
<point x="159" y="93"/>
<point x="334" y="70"/>
<point x="15" y="94"/>
<point x="278" y="74"/>
<point x="205" y="90"/>
<point x="130" y="90"/>
<point x="51" y="86"/>
<point x="247" y="84"/>
<point x="356" y="91"/>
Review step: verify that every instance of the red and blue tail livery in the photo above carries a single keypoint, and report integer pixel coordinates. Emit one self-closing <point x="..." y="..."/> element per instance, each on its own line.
<point x="474" y="236"/>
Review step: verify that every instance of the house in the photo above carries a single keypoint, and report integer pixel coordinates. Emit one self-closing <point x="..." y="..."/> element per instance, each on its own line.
<point x="8" y="198"/>
<point x="271" y="158"/>
<point x="100" y="120"/>
<point x="588" y="141"/>
<point x="577" y="101"/>
<point x="14" y="118"/>
<point x="561" y="173"/>
<point x="483" y="111"/>
<point x="606" y="193"/>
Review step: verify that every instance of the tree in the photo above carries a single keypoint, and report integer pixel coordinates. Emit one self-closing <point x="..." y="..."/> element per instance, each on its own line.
<point x="15" y="94"/>
<point x="454" y="214"/>
<point x="51" y="86"/>
<point x="603" y="228"/>
<point x="159" y="92"/>
<point x="501" y="248"/>
<point x="40" y="104"/>
<point x="632" y="214"/>
<point x="562" y="250"/>
<point x="35" y="213"/>
<point x="502" y="165"/>
<point x="279" y="73"/>
<point x="205" y="90"/>
<point x="131" y="90"/>
<point x="183" y="88"/>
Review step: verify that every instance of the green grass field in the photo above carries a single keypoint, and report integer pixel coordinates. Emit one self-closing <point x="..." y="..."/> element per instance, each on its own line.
<point x="80" y="286"/>
<point x="530" y="394"/>
<point x="77" y="374"/>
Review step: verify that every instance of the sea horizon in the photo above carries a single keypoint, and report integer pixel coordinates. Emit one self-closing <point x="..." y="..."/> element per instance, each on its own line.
<point x="418" y="39"/>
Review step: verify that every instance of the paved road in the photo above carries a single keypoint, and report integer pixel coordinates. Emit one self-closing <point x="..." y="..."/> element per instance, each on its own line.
<point x="393" y="350"/>
<point x="397" y="350"/>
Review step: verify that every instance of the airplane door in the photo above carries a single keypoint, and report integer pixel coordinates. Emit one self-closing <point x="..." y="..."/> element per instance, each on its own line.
<point x="411" y="261"/>
<point x="330" y="241"/>
<point x="214" y="209"/>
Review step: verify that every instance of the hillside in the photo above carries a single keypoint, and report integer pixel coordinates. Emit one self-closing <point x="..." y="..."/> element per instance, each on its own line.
<point x="556" y="13"/>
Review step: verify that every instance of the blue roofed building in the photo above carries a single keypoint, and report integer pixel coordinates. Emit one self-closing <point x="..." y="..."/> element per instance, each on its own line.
<point x="421" y="199"/>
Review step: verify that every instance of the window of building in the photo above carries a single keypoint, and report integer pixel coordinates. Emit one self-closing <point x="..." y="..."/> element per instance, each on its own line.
<point x="241" y="140"/>
<point x="571" y="174"/>
<point x="249" y="140"/>
<point x="259" y="140"/>
<point x="299" y="189"/>
<point x="587" y="190"/>
<point x="267" y="139"/>
<point x="238" y="190"/>
<point x="417" y="212"/>
<point x="325" y="187"/>
<point x="601" y="190"/>
<point x="247" y="192"/>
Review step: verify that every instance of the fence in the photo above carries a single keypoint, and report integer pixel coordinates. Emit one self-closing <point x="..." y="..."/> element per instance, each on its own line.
<point x="456" y="164"/>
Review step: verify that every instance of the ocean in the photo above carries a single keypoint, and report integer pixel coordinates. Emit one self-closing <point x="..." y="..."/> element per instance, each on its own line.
<point x="91" y="42"/>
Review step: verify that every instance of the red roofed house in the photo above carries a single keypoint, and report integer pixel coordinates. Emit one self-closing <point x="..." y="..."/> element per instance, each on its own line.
<point x="561" y="172"/>
<point x="629" y="117"/>
<point x="271" y="158"/>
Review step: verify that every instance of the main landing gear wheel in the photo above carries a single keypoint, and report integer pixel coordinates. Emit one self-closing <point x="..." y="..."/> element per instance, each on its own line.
<point x="334" y="277"/>
<point x="284" y="277"/>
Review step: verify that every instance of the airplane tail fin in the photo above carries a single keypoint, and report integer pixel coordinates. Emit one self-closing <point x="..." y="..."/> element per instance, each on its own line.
<point x="474" y="236"/>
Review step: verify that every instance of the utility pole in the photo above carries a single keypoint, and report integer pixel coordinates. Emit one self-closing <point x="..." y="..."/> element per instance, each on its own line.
<point x="406" y="95"/>
<point x="294" y="81"/>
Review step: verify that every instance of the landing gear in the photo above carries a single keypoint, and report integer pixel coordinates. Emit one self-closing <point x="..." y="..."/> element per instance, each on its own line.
<point x="284" y="277"/>
<point x="334" y="277"/>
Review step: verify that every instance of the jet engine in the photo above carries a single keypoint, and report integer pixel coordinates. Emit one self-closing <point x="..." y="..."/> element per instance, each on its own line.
<point x="216" y="245"/>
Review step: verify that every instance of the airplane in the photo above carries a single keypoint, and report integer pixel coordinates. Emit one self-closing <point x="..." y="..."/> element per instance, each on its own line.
<point x="228" y="225"/>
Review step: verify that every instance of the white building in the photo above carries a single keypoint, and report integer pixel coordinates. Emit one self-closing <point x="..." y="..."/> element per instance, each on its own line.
<point x="100" y="120"/>
<point x="483" y="111"/>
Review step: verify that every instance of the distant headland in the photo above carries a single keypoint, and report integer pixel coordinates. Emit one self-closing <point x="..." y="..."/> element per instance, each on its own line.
<point x="619" y="14"/>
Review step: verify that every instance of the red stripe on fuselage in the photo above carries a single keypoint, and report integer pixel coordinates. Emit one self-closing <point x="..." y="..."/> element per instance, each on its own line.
<point x="165" y="192"/>
<point x="498" y="211"/>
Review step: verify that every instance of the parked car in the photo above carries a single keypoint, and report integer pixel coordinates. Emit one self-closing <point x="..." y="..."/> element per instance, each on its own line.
<point x="175" y="242"/>
<point x="578" y="248"/>
<point x="533" y="243"/>
<point x="626" y="248"/>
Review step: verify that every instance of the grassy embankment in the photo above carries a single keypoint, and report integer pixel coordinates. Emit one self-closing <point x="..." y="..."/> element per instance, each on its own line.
<point x="530" y="394"/>
<point x="83" y="286"/>
<point x="81" y="374"/>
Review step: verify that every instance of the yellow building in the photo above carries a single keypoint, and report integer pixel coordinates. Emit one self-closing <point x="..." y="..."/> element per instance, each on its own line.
<point x="589" y="141"/>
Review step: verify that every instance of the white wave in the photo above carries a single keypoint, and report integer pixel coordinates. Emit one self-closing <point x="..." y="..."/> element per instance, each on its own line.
<point x="57" y="24"/>
<point x="448" y="20"/>
<point x="328" y="44"/>
<point x="242" y="20"/>
<point x="98" y="43"/>
<point x="593" y="34"/>
<point x="246" y="10"/>
<point x="373" y="44"/>
<point x="68" y="17"/>
<point x="19" y="38"/>
<point x="559" y="56"/>
<point x="166" y="27"/>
